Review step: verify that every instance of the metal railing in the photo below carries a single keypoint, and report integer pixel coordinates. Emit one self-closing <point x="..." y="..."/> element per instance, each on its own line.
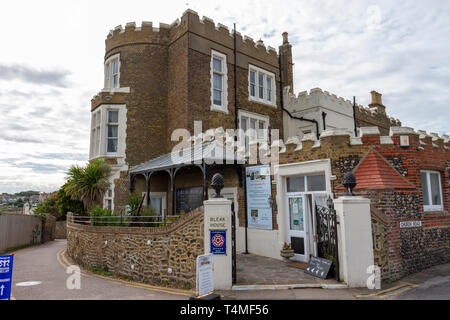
<point x="125" y="221"/>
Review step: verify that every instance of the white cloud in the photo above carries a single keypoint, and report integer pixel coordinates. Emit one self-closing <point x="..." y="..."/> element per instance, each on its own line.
<point x="349" y="48"/>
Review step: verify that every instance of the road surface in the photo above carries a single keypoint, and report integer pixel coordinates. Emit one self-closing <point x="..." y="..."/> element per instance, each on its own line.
<point x="39" y="273"/>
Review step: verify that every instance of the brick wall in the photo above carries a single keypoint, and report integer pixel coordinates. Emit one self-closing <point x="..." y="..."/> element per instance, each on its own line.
<point x="408" y="249"/>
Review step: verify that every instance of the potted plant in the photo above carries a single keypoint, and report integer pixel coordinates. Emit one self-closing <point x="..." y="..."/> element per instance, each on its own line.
<point x="287" y="252"/>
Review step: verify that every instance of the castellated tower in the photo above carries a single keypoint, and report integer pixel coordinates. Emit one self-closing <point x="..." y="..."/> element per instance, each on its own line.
<point x="159" y="79"/>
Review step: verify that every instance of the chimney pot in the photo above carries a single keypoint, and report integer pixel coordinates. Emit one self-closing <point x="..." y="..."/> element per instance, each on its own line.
<point x="285" y="37"/>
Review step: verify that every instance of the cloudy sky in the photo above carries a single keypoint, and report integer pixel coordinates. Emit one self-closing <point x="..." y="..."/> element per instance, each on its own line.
<point x="51" y="64"/>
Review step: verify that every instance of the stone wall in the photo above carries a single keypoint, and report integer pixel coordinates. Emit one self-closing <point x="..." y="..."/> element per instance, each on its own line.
<point x="162" y="256"/>
<point x="61" y="230"/>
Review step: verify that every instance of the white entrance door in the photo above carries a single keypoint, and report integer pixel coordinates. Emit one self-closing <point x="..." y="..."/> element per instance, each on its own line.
<point x="297" y="231"/>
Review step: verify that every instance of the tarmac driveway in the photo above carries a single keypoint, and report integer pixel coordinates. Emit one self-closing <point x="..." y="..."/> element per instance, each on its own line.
<point x="39" y="273"/>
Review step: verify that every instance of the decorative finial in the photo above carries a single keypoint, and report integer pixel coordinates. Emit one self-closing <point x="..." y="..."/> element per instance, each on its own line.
<point x="217" y="184"/>
<point x="349" y="183"/>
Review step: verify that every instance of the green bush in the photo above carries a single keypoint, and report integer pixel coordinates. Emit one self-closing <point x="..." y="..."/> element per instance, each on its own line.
<point x="150" y="217"/>
<point x="134" y="200"/>
<point x="105" y="217"/>
<point x="66" y="204"/>
<point x="48" y="206"/>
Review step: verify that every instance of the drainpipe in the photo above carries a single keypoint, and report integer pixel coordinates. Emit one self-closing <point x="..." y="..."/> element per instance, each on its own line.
<point x="235" y="83"/>
<point x="282" y="103"/>
<point x="324" y="115"/>
<point x="236" y="124"/>
<point x="354" y="116"/>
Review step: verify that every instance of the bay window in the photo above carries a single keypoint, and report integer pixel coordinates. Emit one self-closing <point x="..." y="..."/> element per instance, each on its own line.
<point x="108" y="131"/>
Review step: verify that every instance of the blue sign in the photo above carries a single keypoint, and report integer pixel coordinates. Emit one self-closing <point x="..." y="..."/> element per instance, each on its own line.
<point x="6" y="269"/>
<point x="218" y="241"/>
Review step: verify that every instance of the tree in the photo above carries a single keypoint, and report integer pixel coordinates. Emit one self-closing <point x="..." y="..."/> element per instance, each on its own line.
<point x="88" y="184"/>
<point x="49" y="206"/>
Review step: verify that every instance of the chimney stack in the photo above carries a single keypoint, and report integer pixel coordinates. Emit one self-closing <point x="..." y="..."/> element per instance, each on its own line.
<point x="287" y="74"/>
<point x="377" y="102"/>
<point x="285" y="37"/>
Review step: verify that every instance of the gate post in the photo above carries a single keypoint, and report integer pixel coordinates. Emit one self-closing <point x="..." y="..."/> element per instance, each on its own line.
<point x="218" y="223"/>
<point x="355" y="239"/>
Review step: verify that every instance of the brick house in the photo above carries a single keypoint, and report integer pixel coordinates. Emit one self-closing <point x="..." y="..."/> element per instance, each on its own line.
<point x="161" y="79"/>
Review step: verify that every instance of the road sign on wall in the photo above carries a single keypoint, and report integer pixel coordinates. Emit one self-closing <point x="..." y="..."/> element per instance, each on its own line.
<point x="6" y="269"/>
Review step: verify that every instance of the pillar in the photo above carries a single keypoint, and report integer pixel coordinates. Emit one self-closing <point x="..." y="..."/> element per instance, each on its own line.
<point x="218" y="217"/>
<point x="355" y="239"/>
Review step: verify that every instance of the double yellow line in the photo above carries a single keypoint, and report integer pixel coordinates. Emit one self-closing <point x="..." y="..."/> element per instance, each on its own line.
<point x="383" y="294"/>
<point x="62" y="260"/>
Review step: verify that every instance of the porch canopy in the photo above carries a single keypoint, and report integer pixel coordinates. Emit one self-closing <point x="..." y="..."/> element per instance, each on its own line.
<point x="205" y="156"/>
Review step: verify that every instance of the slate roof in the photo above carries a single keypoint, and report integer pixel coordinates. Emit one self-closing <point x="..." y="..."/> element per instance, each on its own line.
<point x="209" y="152"/>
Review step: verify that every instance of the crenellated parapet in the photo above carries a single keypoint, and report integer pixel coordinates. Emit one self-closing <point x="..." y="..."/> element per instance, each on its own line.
<point x="316" y="97"/>
<point x="131" y="34"/>
<point x="369" y="136"/>
<point x="190" y="21"/>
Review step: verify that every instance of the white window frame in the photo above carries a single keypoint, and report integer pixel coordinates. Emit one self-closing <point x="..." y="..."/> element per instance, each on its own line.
<point x="222" y="57"/>
<point x="116" y="124"/>
<point x="162" y="195"/>
<point x="96" y="124"/>
<point x="109" y="82"/>
<point x="432" y="207"/>
<point x="259" y="118"/>
<point x="107" y="198"/>
<point x="256" y="98"/>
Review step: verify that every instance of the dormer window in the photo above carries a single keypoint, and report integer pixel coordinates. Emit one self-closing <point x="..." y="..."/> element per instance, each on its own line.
<point x="261" y="85"/>
<point x="112" y="72"/>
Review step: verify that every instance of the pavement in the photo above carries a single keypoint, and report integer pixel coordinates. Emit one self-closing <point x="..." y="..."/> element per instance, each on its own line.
<point x="47" y="264"/>
<point x="40" y="273"/>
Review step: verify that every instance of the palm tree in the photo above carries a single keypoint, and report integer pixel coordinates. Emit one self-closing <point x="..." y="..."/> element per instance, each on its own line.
<point x="88" y="184"/>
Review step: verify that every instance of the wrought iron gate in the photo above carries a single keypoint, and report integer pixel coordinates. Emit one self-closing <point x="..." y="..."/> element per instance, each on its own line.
<point x="327" y="242"/>
<point x="233" y="243"/>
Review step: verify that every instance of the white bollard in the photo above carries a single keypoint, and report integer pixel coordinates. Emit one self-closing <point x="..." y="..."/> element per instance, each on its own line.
<point x="218" y="223"/>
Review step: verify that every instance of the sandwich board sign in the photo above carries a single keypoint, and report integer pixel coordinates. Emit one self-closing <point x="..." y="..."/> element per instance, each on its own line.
<point x="6" y="269"/>
<point x="205" y="276"/>
<point x="318" y="267"/>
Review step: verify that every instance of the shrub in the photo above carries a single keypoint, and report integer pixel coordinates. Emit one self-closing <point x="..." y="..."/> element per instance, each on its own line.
<point x="88" y="184"/>
<point x="105" y="217"/>
<point x="150" y="217"/>
<point x="67" y="204"/>
<point x="134" y="200"/>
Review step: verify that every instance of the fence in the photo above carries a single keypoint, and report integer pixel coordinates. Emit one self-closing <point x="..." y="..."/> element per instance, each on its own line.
<point x="18" y="230"/>
<point x="125" y="221"/>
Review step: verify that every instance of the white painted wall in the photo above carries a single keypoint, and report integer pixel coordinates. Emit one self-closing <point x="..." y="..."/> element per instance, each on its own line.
<point x="310" y="106"/>
<point x="355" y="239"/>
